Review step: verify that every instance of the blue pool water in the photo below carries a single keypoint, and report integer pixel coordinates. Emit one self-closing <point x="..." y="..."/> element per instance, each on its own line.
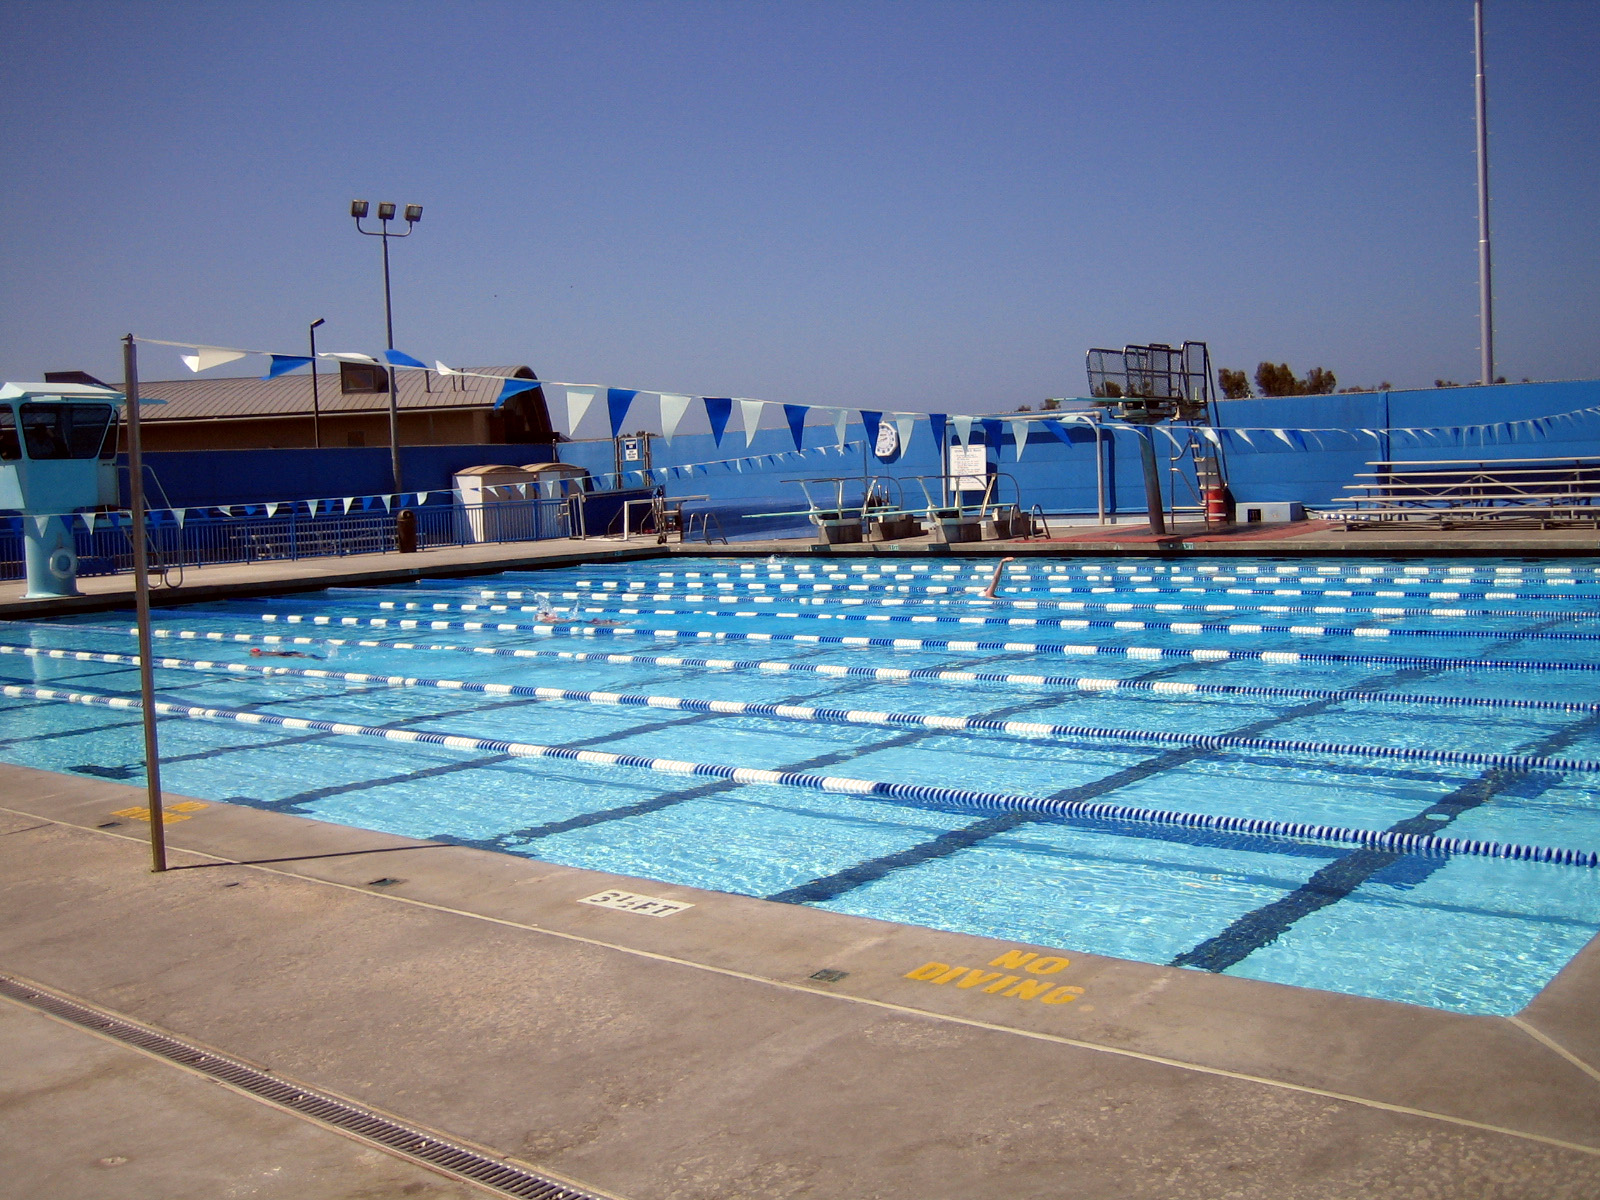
<point x="1265" y="641"/>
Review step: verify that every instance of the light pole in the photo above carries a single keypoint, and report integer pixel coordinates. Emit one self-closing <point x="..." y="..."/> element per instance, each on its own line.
<point x="316" y="405"/>
<point x="413" y="214"/>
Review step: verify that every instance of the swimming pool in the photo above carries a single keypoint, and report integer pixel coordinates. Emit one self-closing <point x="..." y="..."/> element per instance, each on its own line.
<point x="1203" y="744"/>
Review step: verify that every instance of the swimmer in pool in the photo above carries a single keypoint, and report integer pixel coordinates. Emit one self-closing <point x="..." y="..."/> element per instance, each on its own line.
<point x="258" y="652"/>
<point x="994" y="583"/>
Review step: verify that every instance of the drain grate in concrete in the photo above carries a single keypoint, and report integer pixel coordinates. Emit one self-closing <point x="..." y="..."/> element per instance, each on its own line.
<point x="363" y="1123"/>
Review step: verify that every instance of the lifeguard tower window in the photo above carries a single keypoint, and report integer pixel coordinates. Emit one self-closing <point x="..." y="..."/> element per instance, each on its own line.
<point x="360" y="379"/>
<point x="65" y="430"/>
<point x="10" y="447"/>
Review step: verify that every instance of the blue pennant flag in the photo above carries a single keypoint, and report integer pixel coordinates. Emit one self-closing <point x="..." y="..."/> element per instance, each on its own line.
<point x="992" y="431"/>
<point x="795" y="414"/>
<point x="871" y="420"/>
<point x="718" y="410"/>
<point x="514" y="387"/>
<point x="618" y="401"/>
<point x="282" y="364"/>
<point x="939" y="422"/>
<point x="403" y="360"/>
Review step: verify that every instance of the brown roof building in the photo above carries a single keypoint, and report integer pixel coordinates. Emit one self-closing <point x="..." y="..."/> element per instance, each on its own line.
<point x="350" y="408"/>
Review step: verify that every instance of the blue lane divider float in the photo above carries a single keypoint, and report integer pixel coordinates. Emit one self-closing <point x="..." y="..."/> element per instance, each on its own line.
<point x="1085" y="683"/>
<point x="1177" y="627"/>
<point x="887" y="601"/>
<point x="921" y="794"/>
<point x="842" y="716"/>
<point x="1278" y="657"/>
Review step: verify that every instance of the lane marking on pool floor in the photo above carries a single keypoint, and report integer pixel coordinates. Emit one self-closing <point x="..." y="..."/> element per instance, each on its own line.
<point x="953" y="723"/>
<point x="866" y="1001"/>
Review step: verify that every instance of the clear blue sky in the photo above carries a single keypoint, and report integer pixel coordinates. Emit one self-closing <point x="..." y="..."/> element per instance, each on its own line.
<point x="901" y="205"/>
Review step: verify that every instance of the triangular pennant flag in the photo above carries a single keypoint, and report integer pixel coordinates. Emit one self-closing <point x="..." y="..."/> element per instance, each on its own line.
<point x="348" y="502"/>
<point x="282" y="364"/>
<point x="515" y="387"/>
<point x="939" y="422"/>
<point x="870" y="421"/>
<point x="750" y="414"/>
<point x="386" y="500"/>
<point x="178" y="514"/>
<point x="41" y="524"/>
<point x="398" y="359"/>
<point x="903" y="423"/>
<point x="311" y="504"/>
<point x="991" y="431"/>
<point x="718" y="410"/>
<point x="673" y="406"/>
<point x="841" y="422"/>
<point x="1019" y="431"/>
<point x="422" y="498"/>
<point x="206" y="357"/>
<point x="618" y="401"/>
<point x="88" y="519"/>
<point x="963" y="427"/>
<point x="444" y="370"/>
<point x="350" y="356"/>
<point x="795" y="414"/>
<point x="577" y="404"/>
<point x="272" y="509"/>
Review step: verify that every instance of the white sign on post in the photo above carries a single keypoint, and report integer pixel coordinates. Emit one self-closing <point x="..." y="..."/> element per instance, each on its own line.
<point x="970" y="466"/>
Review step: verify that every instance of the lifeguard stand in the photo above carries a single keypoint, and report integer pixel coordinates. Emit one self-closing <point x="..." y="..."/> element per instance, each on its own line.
<point x="58" y="456"/>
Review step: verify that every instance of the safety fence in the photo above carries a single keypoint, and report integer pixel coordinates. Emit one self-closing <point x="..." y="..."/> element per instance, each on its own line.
<point x="217" y="536"/>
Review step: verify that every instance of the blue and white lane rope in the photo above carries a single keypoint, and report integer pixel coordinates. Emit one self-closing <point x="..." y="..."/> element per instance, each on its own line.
<point x="1010" y="602"/>
<point x="1279" y="657"/>
<point x="1177" y="627"/>
<point x="842" y="716"/>
<point x="1083" y="683"/>
<point x="960" y="798"/>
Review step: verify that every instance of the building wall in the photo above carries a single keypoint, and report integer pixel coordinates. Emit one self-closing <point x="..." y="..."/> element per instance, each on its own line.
<point x="438" y="427"/>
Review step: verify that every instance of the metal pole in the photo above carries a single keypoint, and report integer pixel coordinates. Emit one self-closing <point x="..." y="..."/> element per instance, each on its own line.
<point x="1154" y="505"/>
<point x="316" y="406"/>
<point x="141" y="601"/>
<point x="1099" y="472"/>
<point x="394" y="400"/>
<point x="1485" y="292"/>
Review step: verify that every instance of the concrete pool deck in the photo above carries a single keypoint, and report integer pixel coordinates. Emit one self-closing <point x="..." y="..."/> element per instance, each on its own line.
<point x="699" y="1055"/>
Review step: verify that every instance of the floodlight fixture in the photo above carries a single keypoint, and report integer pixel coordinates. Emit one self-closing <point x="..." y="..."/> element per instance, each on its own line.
<point x="413" y="213"/>
<point x="385" y="211"/>
<point x="358" y="209"/>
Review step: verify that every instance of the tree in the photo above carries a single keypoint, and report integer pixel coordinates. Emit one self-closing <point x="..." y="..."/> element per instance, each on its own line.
<point x="1234" y="384"/>
<point x="1277" y="379"/>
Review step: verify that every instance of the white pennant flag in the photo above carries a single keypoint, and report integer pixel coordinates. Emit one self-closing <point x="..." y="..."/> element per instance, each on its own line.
<point x="41" y="523"/>
<point x="963" y="428"/>
<point x="386" y="500"/>
<point x="444" y="370"/>
<point x="577" y="404"/>
<point x="178" y="514"/>
<point x="422" y="498"/>
<point x="841" y="422"/>
<point x="1019" y="433"/>
<point x="673" y="407"/>
<point x="88" y="520"/>
<point x="903" y="424"/>
<point x="272" y="509"/>
<point x="206" y="357"/>
<point x="750" y="410"/>
<point x="348" y="501"/>
<point x="312" y="505"/>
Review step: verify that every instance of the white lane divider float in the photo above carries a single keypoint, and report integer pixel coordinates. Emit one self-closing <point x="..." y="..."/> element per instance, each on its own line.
<point x="921" y="794"/>
<point x="841" y="716"/>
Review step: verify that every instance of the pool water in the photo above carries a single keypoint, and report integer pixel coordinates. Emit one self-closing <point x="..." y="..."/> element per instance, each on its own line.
<point x="1095" y="646"/>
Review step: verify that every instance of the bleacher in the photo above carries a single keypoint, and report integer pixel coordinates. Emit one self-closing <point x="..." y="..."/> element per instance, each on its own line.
<point x="1446" y="493"/>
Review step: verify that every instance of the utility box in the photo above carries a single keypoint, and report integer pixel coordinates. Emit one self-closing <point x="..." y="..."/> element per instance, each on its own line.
<point x="58" y="457"/>
<point x="1273" y="512"/>
<point x="497" y="500"/>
